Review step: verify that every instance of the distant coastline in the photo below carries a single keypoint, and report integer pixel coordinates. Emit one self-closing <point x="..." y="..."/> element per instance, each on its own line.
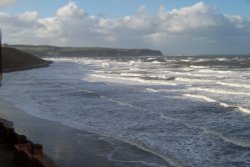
<point x="51" y="51"/>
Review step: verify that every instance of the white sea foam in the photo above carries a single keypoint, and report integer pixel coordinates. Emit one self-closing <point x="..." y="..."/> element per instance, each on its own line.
<point x="222" y="59"/>
<point x="245" y="110"/>
<point x="132" y="63"/>
<point x="219" y="91"/>
<point x="186" y="60"/>
<point x="236" y="140"/>
<point x="202" y="75"/>
<point x="208" y="99"/>
<point x="193" y="80"/>
<point x="105" y="65"/>
<point x="156" y="62"/>
<point x="152" y="90"/>
<point x="130" y="79"/>
<point x="135" y="69"/>
<point x="119" y="102"/>
<point x="151" y="58"/>
<point x="214" y="71"/>
<point x="239" y="141"/>
<point x="199" y="67"/>
<point x="201" y="60"/>
<point x="130" y="75"/>
<point x="139" y="162"/>
<point x="193" y="74"/>
<point x="168" y="158"/>
<point x="224" y="105"/>
<point x="238" y="85"/>
<point x="111" y="158"/>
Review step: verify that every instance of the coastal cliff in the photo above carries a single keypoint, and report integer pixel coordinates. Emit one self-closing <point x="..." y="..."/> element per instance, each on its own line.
<point x="50" y="51"/>
<point x="16" y="60"/>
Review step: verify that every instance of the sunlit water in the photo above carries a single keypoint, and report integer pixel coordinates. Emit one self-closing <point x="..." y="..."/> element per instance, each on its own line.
<point x="188" y="111"/>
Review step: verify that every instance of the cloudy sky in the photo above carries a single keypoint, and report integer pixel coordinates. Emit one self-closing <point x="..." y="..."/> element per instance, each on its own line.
<point x="173" y="26"/>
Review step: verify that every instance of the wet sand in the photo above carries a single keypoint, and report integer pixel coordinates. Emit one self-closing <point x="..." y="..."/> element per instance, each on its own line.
<point x="70" y="147"/>
<point x="58" y="140"/>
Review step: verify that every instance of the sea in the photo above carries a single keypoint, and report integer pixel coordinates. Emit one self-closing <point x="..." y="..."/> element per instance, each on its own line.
<point x="188" y="111"/>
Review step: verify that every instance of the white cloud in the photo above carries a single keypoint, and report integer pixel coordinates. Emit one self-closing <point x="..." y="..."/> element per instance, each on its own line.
<point x="49" y="28"/>
<point x="70" y="10"/>
<point x="191" y="29"/>
<point x="194" y="17"/>
<point x="28" y="16"/>
<point x="4" y="3"/>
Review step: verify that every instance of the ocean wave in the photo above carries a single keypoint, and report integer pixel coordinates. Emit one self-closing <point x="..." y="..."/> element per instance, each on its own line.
<point x="111" y="158"/>
<point x="135" y="69"/>
<point x="238" y="85"/>
<point x="130" y="74"/>
<point x="219" y="91"/>
<point x="243" y="109"/>
<point x="225" y="105"/>
<point x="156" y="62"/>
<point x="203" y="75"/>
<point x="152" y="90"/>
<point x="235" y="140"/>
<point x="208" y="99"/>
<point x="214" y="71"/>
<point x="157" y="77"/>
<point x="168" y="158"/>
<point x="222" y="104"/>
<point x="201" y="60"/>
<point x="186" y="60"/>
<point x="222" y="59"/>
<point x="132" y="79"/>
<point x="105" y="65"/>
<point x="132" y="63"/>
<point x="193" y="80"/>
<point x="193" y="74"/>
<point x="198" y="67"/>
<point x="161" y="90"/>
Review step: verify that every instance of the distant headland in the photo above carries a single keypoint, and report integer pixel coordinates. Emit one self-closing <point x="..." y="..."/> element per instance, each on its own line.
<point x="16" y="60"/>
<point x="51" y="51"/>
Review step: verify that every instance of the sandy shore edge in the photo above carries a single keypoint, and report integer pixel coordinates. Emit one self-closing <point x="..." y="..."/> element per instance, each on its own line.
<point x="58" y="140"/>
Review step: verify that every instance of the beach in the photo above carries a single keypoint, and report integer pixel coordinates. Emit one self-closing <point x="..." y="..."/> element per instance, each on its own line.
<point x="58" y="140"/>
<point x="66" y="146"/>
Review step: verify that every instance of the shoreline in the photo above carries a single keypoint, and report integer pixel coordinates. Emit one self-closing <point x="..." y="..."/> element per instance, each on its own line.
<point x="56" y="146"/>
<point x="72" y="147"/>
<point x="44" y="65"/>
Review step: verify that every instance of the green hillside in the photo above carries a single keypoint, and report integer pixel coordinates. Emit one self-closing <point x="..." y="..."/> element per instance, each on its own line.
<point x="49" y="51"/>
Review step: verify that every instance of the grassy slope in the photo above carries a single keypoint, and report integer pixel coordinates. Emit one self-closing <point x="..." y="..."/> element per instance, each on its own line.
<point x="14" y="60"/>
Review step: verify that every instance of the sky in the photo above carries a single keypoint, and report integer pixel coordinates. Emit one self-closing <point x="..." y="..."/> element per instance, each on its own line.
<point x="176" y="27"/>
